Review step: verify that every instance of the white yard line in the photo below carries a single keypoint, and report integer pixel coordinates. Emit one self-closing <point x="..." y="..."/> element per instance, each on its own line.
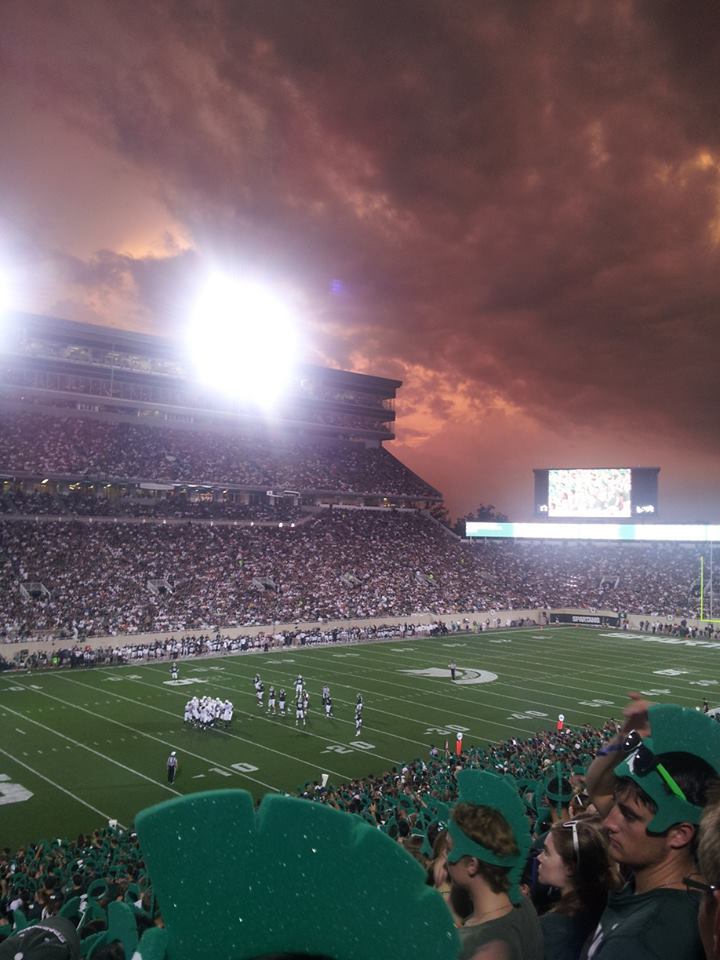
<point x="249" y="713"/>
<point x="74" y="796"/>
<point x="149" y="736"/>
<point x="84" y="746"/>
<point x="531" y="731"/>
<point x="490" y="691"/>
<point x="351" y="703"/>
<point x="263" y="748"/>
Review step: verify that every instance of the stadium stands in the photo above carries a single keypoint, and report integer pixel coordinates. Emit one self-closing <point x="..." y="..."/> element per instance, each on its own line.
<point x="656" y="579"/>
<point x="80" y="879"/>
<point x="82" y="504"/>
<point x="103" y="532"/>
<point x="343" y="564"/>
<point x="43" y="445"/>
<point x="104" y="578"/>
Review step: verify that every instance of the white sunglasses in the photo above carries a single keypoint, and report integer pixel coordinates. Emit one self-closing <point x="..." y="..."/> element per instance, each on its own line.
<point x="573" y="825"/>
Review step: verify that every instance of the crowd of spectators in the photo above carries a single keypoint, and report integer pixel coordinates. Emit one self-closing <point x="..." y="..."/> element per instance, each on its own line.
<point x="99" y="579"/>
<point x="527" y="761"/>
<point x="56" y="877"/>
<point x="201" y="645"/>
<point x="78" y="880"/>
<point x="538" y="808"/>
<point x="575" y="845"/>
<point x="339" y="565"/>
<point x="658" y="579"/>
<point x="44" y="445"/>
<point x="177" y="507"/>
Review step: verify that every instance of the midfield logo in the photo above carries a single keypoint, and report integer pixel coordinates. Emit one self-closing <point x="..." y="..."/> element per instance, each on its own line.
<point x="463" y="675"/>
<point x="185" y="682"/>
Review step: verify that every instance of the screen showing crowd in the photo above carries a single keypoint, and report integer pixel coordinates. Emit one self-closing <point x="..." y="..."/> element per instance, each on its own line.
<point x="601" y="493"/>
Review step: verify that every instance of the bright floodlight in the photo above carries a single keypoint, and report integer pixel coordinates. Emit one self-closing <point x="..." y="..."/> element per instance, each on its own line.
<point x="242" y="340"/>
<point x="4" y="293"/>
<point x="5" y="303"/>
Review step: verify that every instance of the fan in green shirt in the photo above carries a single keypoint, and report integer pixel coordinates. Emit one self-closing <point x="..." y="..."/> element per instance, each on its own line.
<point x="488" y="845"/>
<point x="652" y="802"/>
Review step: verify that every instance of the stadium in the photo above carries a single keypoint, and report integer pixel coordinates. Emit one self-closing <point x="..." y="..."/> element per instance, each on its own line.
<point x="159" y="541"/>
<point x="292" y="294"/>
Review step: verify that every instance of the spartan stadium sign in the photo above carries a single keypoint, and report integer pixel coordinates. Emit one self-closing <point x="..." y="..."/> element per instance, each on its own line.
<point x="462" y="674"/>
<point x="595" y="620"/>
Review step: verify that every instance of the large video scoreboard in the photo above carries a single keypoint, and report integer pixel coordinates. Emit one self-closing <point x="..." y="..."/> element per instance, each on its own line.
<point x="597" y="493"/>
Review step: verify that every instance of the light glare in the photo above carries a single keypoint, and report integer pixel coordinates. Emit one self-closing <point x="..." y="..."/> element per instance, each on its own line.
<point x="242" y="340"/>
<point x="4" y="293"/>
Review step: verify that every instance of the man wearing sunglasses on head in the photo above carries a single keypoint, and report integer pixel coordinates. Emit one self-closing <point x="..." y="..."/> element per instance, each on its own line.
<point x="650" y="785"/>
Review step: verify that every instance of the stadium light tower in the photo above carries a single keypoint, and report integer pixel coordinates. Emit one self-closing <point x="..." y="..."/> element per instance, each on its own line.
<point x="242" y="340"/>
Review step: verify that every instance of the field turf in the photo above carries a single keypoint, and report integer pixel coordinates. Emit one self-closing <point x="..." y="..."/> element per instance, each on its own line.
<point x="90" y="745"/>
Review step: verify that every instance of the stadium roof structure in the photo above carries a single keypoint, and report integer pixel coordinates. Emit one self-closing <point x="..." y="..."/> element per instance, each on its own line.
<point x="50" y="358"/>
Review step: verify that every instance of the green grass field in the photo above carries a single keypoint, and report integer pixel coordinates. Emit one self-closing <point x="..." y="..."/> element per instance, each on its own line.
<point x="90" y="745"/>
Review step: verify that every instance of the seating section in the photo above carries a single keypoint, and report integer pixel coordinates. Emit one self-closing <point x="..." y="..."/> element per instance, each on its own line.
<point x="339" y="564"/>
<point x="177" y="507"/>
<point x="55" y="446"/>
<point x="100" y="882"/>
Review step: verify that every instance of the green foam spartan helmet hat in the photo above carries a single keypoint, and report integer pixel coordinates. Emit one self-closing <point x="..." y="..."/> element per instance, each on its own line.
<point x="557" y="787"/>
<point x="674" y="729"/>
<point x="433" y="814"/>
<point x="234" y="883"/>
<point x="489" y="790"/>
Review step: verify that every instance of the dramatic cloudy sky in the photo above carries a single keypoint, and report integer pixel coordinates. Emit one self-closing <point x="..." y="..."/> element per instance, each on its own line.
<point x="512" y="206"/>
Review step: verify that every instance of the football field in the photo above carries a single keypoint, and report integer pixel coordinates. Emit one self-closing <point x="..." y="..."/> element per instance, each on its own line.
<point x="80" y="747"/>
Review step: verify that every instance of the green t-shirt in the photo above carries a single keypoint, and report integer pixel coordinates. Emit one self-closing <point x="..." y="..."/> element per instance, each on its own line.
<point x="519" y="930"/>
<point x="564" y="935"/>
<point x="658" y="925"/>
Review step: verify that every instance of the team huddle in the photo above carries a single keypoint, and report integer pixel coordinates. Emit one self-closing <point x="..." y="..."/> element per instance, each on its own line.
<point x="205" y="712"/>
<point x="277" y="702"/>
